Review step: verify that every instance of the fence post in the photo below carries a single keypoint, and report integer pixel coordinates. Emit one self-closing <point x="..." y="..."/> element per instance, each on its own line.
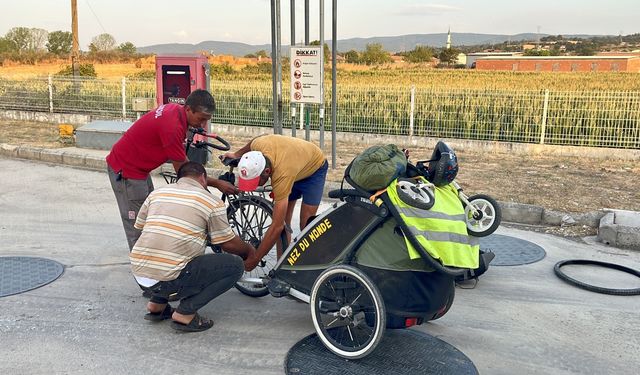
<point x="124" y="98"/>
<point x="545" y="109"/>
<point x="413" y="102"/>
<point x="50" y="94"/>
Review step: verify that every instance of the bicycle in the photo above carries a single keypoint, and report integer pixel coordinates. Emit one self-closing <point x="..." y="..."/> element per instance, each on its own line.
<point x="249" y="213"/>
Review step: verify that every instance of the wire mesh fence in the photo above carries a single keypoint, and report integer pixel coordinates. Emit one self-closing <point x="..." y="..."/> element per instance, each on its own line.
<point x="580" y="118"/>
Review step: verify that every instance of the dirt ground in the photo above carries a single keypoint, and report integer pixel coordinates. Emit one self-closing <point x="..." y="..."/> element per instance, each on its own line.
<point x="567" y="184"/>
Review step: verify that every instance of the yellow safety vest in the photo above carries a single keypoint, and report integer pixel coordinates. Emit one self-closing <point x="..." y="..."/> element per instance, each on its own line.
<point x="441" y="230"/>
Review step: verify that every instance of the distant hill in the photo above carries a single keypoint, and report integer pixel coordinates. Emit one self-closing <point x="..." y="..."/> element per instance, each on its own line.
<point x="390" y="43"/>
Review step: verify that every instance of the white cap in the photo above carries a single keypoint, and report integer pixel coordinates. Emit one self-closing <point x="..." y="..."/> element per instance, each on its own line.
<point x="250" y="167"/>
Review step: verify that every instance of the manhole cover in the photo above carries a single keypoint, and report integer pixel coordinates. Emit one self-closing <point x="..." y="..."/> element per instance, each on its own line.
<point x="401" y="351"/>
<point x="511" y="251"/>
<point x="20" y="274"/>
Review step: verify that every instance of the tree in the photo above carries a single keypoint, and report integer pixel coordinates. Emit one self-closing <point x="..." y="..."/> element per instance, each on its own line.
<point x="586" y="49"/>
<point x="449" y="56"/>
<point x="7" y="45"/>
<point x="375" y="54"/>
<point x="326" y="50"/>
<point x="352" y="56"/>
<point x="262" y="54"/>
<point x="60" y="42"/>
<point x="127" y="48"/>
<point x="38" y="39"/>
<point x="20" y="37"/>
<point x="419" y="54"/>
<point x="102" y="42"/>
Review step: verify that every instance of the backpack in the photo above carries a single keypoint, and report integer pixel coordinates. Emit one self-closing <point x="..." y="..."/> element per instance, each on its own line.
<point x="377" y="166"/>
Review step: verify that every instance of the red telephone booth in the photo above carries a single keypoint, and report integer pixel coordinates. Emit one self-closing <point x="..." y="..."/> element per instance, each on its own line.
<point x="176" y="77"/>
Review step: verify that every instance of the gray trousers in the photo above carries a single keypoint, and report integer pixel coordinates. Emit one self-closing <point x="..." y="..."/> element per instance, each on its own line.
<point x="204" y="278"/>
<point x="130" y="195"/>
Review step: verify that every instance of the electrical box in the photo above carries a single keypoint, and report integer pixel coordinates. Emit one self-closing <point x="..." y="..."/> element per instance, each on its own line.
<point x="176" y="77"/>
<point x="142" y="104"/>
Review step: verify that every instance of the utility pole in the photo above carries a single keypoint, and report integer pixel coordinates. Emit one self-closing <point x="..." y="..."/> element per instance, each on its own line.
<point x="74" y="31"/>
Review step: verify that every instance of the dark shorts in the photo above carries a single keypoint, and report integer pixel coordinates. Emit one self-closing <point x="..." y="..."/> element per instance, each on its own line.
<point x="311" y="188"/>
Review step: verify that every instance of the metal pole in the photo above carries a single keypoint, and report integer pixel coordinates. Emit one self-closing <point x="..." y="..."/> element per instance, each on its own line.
<point x="307" y="114"/>
<point x="279" y="64"/>
<point x="274" y="74"/>
<point x="293" y="42"/>
<point x="413" y="106"/>
<point x="545" y="109"/>
<point x="306" y="22"/>
<point x="322" y="74"/>
<point x="50" y="94"/>
<point x="334" y="49"/>
<point x="124" y="98"/>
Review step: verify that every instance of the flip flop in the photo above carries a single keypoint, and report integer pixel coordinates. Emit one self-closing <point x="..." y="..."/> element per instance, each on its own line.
<point x="160" y="316"/>
<point x="197" y="324"/>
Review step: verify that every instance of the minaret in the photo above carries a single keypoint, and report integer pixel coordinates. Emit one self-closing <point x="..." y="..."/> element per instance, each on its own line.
<point x="449" y="38"/>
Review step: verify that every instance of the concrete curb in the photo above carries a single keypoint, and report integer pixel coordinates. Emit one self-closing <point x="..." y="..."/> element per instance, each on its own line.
<point x="621" y="235"/>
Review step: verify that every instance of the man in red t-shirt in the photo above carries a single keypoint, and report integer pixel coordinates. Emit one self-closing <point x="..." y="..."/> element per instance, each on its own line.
<point x="154" y="139"/>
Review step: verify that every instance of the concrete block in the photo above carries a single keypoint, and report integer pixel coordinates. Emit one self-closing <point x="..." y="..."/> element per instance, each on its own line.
<point x="52" y="155"/>
<point x="101" y="135"/>
<point x="551" y="217"/>
<point x="620" y="228"/>
<point x="8" y="150"/>
<point x="31" y="153"/>
<point x="74" y="160"/>
<point x="590" y="219"/>
<point x="97" y="163"/>
<point x="521" y="213"/>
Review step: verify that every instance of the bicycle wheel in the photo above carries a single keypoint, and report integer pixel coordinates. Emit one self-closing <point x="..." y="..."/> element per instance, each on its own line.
<point x="348" y="311"/>
<point x="250" y="216"/>
<point x="486" y="218"/>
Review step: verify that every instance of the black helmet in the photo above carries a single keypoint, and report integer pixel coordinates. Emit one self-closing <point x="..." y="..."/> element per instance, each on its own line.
<point x="443" y="166"/>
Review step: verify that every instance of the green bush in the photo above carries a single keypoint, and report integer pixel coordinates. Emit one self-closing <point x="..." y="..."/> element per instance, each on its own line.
<point x="143" y="74"/>
<point x="85" y="70"/>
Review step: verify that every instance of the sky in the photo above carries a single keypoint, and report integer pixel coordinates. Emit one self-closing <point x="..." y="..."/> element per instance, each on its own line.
<point x="147" y="22"/>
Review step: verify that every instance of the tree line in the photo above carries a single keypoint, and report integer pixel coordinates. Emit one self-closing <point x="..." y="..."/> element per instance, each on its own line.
<point x="29" y="45"/>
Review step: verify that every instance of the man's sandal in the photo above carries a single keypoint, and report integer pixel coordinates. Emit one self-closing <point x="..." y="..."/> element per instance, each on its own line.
<point x="197" y="324"/>
<point x="160" y="316"/>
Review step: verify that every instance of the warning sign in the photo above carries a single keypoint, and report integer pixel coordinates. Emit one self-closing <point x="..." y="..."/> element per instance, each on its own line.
<point x="307" y="74"/>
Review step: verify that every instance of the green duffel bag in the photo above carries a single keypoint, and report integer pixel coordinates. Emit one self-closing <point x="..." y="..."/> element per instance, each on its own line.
<point x="377" y="166"/>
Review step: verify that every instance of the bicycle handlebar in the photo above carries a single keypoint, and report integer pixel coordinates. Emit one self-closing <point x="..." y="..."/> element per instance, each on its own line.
<point x="199" y="144"/>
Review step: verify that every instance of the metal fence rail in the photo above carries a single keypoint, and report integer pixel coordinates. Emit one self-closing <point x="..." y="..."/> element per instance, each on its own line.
<point x="596" y="119"/>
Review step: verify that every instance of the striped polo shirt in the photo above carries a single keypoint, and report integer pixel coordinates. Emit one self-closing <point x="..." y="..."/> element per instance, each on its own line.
<point x="175" y="220"/>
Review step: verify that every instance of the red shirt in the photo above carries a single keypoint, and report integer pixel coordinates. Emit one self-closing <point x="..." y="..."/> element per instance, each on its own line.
<point x="151" y="141"/>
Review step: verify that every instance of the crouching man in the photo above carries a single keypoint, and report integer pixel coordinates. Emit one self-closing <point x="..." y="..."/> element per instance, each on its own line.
<point x="168" y="259"/>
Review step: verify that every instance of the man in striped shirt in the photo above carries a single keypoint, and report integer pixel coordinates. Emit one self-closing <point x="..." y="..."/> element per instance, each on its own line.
<point x="168" y="259"/>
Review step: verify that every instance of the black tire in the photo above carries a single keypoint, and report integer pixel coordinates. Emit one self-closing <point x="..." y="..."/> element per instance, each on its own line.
<point x="343" y="295"/>
<point x="593" y="288"/>
<point x="250" y="217"/>
<point x="445" y="309"/>
<point x="488" y="218"/>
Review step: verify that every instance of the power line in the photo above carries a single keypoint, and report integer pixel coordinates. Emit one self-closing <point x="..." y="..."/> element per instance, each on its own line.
<point x="96" y="16"/>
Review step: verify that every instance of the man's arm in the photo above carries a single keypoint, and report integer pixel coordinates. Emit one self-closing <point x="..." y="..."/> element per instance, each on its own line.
<point x="238" y="247"/>
<point x="272" y="235"/>
<point x="224" y="186"/>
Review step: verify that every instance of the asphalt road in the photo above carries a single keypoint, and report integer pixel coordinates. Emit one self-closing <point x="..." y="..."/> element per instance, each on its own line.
<point x="518" y="320"/>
